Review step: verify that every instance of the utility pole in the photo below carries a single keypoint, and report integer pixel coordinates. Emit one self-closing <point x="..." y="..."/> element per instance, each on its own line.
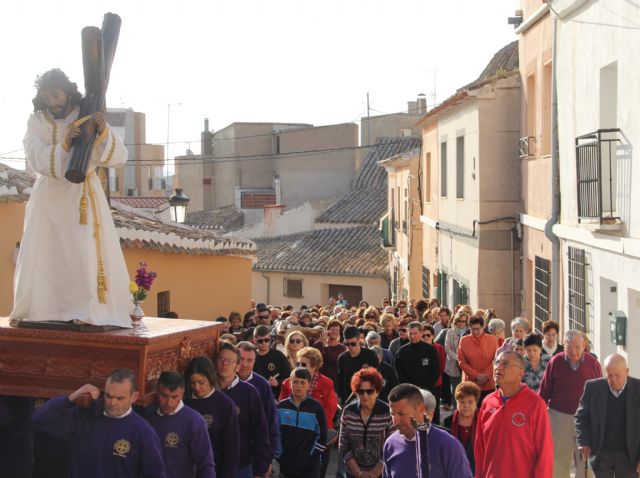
<point x="368" y="122"/>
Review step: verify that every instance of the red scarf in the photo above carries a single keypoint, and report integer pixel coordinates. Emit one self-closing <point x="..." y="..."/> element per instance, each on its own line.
<point x="455" y="427"/>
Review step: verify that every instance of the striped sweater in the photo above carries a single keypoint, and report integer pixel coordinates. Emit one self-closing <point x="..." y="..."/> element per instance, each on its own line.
<point x="364" y="441"/>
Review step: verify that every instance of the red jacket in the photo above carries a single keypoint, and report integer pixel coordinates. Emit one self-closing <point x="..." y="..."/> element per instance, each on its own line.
<point x="514" y="438"/>
<point x="323" y="392"/>
<point x="443" y="361"/>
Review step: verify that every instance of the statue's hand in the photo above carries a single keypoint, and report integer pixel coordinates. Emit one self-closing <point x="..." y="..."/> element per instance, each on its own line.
<point x="100" y="121"/>
<point x="73" y="131"/>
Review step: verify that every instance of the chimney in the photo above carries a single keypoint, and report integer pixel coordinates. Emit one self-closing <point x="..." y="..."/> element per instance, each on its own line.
<point x="422" y="104"/>
<point x="207" y="139"/>
<point x="412" y="107"/>
<point x="270" y="222"/>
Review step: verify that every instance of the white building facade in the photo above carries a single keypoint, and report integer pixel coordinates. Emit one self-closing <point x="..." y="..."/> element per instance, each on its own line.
<point x="598" y="122"/>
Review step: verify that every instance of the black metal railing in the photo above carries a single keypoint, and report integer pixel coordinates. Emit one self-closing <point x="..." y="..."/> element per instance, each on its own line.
<point x="527" y="146"/>
<point x="596" y="172"/>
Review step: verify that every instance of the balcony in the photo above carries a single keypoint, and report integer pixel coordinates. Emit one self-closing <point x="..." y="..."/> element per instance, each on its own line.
<point x="527" y="147"/>
<point x="600" y="180"/>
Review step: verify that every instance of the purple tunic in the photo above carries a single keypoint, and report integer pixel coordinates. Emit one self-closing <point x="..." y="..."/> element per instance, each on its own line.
<point x="103" y="447"/>
<point x="219" y="413"/>
<point x="255" y="448"/>
<point x="185" y="443"/>
<point x="269" y="406"/>
<point x="447" y="458"/>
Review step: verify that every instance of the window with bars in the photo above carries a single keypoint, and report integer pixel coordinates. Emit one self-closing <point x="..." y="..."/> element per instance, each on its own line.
<point x="426" y="275"/>
<point x="542" y="286"/>
<point x="164" y="302"/>
<point x="460" y="293"/>
<point x="577" y="289"/>
<point x="443" y="169"/>
<point x="292" y="288"/>
<point x="460" y="167"/>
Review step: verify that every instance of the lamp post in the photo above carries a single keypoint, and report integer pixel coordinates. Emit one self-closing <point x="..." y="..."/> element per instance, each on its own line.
<point x="178" y="203"/>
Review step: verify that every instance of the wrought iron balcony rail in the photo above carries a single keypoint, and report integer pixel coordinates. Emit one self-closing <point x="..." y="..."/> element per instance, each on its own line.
<point x="597" y="176"/>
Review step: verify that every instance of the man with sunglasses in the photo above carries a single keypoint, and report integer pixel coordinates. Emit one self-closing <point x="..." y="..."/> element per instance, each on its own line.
<point x="403" y="337"/>
<point x="513" y="420"/>
<point x="355" y="358"/>
<point x="271" y="364"/>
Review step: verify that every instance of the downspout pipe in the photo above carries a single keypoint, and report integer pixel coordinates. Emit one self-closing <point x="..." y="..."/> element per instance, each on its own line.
<point x="268" y="279"/>
<point x="555" y="185"/>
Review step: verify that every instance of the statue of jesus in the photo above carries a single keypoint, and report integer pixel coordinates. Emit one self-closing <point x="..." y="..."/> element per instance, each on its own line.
<point x="70" y="266"/>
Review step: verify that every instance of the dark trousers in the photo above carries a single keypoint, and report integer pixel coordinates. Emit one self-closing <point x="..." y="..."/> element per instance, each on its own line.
<point x="309" y="473"/>
<point x="446" y="389"/>
<point x="437" y="392"/>
<point x="613" y="463"/>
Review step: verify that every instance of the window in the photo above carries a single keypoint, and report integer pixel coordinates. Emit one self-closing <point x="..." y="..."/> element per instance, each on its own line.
<point x="577" y="289"/>
<point x="545" y="141"/>
<point x="442" y="288"/>
<point x="406" y="210"/>
<point x="425" y="282"/>
<point x="292" y="288"/>
<point x="399" y="207"/>
<point x="406" y="132"/>
<point x="443" y="169"/>
<point x="164" y="302"/>
<point x="542" y="278"/>
<point x="460" y="293"/>
<point x="531" y="111"/>
<point x="428" y="178"/>
<point x="460" y="167"/>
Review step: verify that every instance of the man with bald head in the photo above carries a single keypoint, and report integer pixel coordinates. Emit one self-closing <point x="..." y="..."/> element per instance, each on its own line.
<point x="608" y="421"/>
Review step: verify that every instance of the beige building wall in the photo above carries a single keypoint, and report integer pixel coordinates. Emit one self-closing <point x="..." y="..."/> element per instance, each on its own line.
<point x="431" y="175"/>
<point x="373" y="128"/>
<point x="12" y="215"/>
<point x="201" y="287"/>
<point x="269" y="287"/>
<point x="535" y="45"/>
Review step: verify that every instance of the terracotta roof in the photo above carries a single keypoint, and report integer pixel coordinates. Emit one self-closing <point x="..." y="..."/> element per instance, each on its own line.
<point x="223" y="218"/>
<point x="503" y="64"/>
<point x="15" y="185"/>
<point x="342" y="251"/>
<point x="142" y="202"/>
<point x="367" y="200"/>
<point x="145" y="231"/>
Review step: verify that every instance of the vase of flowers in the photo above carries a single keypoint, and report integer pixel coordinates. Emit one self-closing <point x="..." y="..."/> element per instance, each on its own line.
<point x="139" y="289"/>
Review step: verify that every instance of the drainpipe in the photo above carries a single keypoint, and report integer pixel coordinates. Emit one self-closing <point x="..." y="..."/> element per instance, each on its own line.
<point x="555" y="185"/>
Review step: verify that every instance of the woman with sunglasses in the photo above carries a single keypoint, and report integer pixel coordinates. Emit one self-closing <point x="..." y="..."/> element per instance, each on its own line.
<point x="321" y="389"/>
<point x="364" y="427"/>
<point x="293" y="342"/>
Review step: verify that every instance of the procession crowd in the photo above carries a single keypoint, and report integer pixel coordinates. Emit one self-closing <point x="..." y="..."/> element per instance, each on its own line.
<point x="396" y="390"/>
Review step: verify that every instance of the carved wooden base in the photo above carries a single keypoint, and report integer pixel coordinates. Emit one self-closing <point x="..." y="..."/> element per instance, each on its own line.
<point x="46" y="363"/>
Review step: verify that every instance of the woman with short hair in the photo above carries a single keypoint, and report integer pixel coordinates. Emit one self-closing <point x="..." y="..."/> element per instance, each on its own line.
<point x="465" y="418"/>
<point x="364" y="426"/>
<point x="519" y="328"/>
<point x="451" y="342"/>
<point x="536" y="361"/>
<point x="550" y="345"/>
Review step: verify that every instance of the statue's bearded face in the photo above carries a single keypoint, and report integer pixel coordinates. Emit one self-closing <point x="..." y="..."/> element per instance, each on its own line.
<point x="57" y="102"/>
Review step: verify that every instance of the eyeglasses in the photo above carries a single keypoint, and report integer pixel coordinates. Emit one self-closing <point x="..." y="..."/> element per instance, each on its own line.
<point x="303" y="364"/>
<point x="428" y="336"/>
<point x="295" y="341"/>
<point x="363" y="391"/>
<point x="263" y="341"/>
<point x="402" y="329"/>
<point x="224" y="361"/>
<point x="505" y="363"/>
<point x="351" y="344"/>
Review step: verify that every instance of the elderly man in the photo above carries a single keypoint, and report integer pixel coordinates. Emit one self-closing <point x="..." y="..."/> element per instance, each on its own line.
<point x="561" y="387"/>
<point x="513" y="420"/>
<point x="109" y="440"/>
<point x="443" y="456"/>
<point x="374" y="339"/>
<point x="608" y="421"/>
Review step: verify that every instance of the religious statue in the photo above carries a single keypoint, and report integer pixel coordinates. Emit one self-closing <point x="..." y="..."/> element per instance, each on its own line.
<point x="70" y="266"/>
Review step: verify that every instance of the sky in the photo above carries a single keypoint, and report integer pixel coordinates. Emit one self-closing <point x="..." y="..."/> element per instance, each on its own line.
<point x="251" y="60"/>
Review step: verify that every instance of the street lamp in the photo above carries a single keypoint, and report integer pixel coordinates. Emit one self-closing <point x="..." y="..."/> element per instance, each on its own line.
<point x="178" y="203"/>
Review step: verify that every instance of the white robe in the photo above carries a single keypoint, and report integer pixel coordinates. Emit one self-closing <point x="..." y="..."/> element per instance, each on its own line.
<point x="56" y="275"/>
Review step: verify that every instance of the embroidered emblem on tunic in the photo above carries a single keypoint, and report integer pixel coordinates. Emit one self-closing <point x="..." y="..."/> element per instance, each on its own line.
<point x="209" y="419"/>
<point x="425" y="362"/>
<point x="121" y="448"/>
<point x="518" y="419"/>
<point x="172" y="439"/>
<point x="271" y="367"/>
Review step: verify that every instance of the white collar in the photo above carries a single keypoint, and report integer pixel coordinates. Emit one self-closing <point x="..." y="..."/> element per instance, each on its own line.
<point x="234" y="383"/>
<point x="618" y="392"/>
<point x="125" y="414"/>
<point x="178" y="408"/>
<point x="206" y="396"/>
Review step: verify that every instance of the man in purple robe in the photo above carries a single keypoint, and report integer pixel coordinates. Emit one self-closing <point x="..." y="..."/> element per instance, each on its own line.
<point x="182" y="431"/>
<point x="108" y="440"/>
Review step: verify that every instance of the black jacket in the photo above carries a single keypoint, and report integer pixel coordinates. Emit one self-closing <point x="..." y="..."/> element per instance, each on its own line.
<point x="418" y="364"/>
